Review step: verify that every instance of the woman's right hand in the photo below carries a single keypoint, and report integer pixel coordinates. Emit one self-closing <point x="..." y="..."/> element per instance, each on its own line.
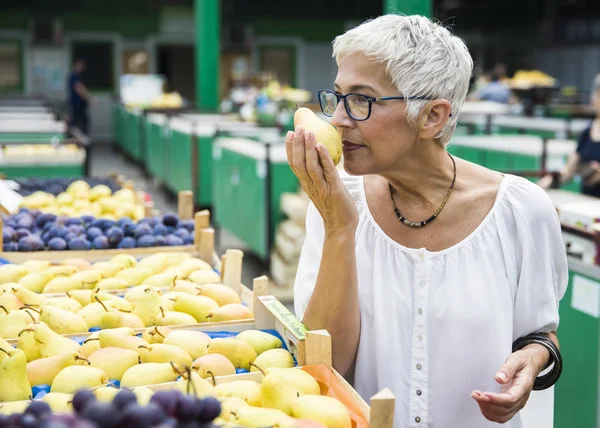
<point x="319" y="178"/>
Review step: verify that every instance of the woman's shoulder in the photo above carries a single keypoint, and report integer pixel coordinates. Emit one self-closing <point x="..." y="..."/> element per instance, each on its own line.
<point x="526" y="202"/>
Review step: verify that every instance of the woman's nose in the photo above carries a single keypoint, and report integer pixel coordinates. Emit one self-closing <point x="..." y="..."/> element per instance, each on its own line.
<point x="340" y="116"/>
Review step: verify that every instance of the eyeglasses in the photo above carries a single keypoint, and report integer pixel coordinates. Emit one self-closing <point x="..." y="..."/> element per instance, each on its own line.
<point x="358" y="106"/>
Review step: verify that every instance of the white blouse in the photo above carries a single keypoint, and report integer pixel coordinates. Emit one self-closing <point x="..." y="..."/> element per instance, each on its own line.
<point x="437" y="325"/>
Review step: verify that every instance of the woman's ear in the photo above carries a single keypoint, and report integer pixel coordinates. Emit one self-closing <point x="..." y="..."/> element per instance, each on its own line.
<point x="433" y="119"/>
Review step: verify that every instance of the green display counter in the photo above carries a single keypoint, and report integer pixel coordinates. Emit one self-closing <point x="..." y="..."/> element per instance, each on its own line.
<point x="249" y="178"/>
<point x="132" y="141"/>
<point x="577" y="395"/>
<point x="118" y="118"/>
<point x="514" y="153"/>
<point x="155" y="133"/>
<point x="42" y="171"/>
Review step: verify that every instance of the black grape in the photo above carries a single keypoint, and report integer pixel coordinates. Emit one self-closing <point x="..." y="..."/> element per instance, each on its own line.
<point x="101" y="413"/>
<point x="82" y="398"/>
<point x="211" y="409"/>
<point x="167" y="400"/>
<point x="124" y="398"/>
<point x="38" y="409"/>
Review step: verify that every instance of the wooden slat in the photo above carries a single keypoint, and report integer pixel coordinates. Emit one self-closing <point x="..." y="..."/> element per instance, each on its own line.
<point x="232" y="270"/>
<point x="382" y="409"/>
<point x="318" y="348"/>
<point x="185" y="204"/>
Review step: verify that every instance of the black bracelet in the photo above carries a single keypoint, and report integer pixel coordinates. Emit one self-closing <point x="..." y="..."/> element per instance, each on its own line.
<point x="549" y="379"/>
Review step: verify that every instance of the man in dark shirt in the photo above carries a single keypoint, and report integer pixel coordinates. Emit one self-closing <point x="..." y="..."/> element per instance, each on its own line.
<point x="79" y="97"/>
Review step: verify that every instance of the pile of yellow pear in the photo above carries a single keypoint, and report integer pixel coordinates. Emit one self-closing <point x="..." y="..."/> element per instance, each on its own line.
<point x="161" y="289"/>
<point x="80" y="199"/>
<point x="161" y="356"/>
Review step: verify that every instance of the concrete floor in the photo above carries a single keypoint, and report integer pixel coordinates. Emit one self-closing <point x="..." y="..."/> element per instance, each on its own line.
<point x="105" y="161"/>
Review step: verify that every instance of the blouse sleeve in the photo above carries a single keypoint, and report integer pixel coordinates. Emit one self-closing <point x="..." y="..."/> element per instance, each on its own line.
<point x="540" y="261"/>
<point x="310" y="261"/>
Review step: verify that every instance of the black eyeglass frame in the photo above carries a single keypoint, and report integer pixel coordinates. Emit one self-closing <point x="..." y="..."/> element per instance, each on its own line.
<point x="370" y="99"/>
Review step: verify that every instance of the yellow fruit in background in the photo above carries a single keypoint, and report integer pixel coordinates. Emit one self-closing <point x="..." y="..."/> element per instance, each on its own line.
<point x="125" y="195"/>
<point x="81" y="204"/>
<point x="64" y="199"/>
<point x="78" y="187"/>
<point x="11" y="273"/>
<point x="100" y="191"/>
<point x="109" y="205"/>
<point x="96" y="209"/>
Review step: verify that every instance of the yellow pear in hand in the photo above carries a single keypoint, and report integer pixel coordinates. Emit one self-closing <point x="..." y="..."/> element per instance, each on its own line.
<point x="325" y="133"/>
<point x="321" y="408"/>
<point x="247" y="390"/>
<point x="14" y="384"/>
<point x="73" y="378"/>
<point x="149" y="374"/>
<point x="230" y="312"/>
<point x="114" y="361"/>
<point x="161" y="353"/>
<point x="281" y="387"/>
<point x="193" y="342"/>
<point x="197" y="306"/>
<point x="260" y="341"/>
<point x="212" y="365"/>
<point x="236" y="350"/>
<point x="44" y="370"/>
<point x="220" y="293"/>
<point x="59" y="402"/>
<point x="61" y="321"/>
<point x="273" y="358"/>
<point x="255" y="417"/>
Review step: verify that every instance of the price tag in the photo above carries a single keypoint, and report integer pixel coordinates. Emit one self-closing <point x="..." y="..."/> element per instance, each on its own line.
<point x="284" y="316"/>
<point x="9" y="199"/>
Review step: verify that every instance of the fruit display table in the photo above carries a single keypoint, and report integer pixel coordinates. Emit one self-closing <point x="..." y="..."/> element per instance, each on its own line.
<point x="249" y="177"/>
<point x="518" y="154"/>
<point x="155" y="133"/>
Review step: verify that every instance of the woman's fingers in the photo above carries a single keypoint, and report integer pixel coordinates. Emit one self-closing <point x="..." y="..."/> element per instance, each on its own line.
<point x="331" y="174"/>
<point x="299" y="156"/>
<point x="289" y="143"/>
<point x="314" y="168"/>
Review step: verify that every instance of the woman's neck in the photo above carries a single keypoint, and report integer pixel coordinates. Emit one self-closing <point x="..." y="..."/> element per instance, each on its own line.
<point x="423" y="176"/>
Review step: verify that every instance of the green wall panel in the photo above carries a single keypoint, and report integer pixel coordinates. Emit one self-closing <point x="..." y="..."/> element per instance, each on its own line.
<point x="204" y="174"/>
<point x="155" y="148"/>
<point x="180" y="162"/>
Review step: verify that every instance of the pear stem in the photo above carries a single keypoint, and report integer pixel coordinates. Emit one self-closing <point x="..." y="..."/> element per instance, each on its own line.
<point x="4" y="309"/>
<point x="190" y="384"/>
<point x="162" y="311"/>
<point x="77" y="357"/>
<point x="100" y="301"/>
<point x="159" y="333"/>
<point x="29" y="308"/>
<point x="90" y="339"/>
<point x="212" y="377"/>
<point x="258" y="368"/>
<point x="177" y="369"/>
<point x="23" y="331"/>
<point x="199" y="291"/>
<point x="145" y="347"/>
<point x="30" y="316"/>
<point x="5" y="351"/>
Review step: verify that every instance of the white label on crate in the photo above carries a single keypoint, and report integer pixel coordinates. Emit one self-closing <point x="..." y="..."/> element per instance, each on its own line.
<point x="216" y="152"/>
<point x="261" y="169"/>
<point x="586" y="296"/>
<point x="9" y="199"/>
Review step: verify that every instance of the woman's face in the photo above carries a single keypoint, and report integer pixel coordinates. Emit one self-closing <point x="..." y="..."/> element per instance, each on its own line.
<point x="373" y="146"/>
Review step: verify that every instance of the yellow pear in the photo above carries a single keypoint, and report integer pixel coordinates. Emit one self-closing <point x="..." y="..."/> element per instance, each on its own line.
<point x="114" y="318"/>
<point x="90" y="345"/>
<point x="125" y="260"/>
<point x="174" y="318"/>
<point x="114" y="361"/>
<point x="255" y="417"/>
<point x="51" y="343"/>
<point x="126" y="342"/>
<point x="134" y="276"/>
<point x="94" y="312"/>
<point x="213" y="365"/>
<point x="12" y="322"/>
<point x="192" y="264"/>
<point x="156" y="262"/>
<point x="183" y="286"/>
<point x="230" y="407"/>
<point x="84" y="297"/>
<point x="230" y="312"/>
<point x="11" y="273"/>
<point x="11" y="407"/>
<point x="195" y="385"/>
<point x="175" y="259"/>
<point x="59" y="402"/>
<point x="156" y="334"/>
<point x="133" y="294"/>
<point x="119" y="302"/>
<point x="89" y="277"/>
<point x="197" y="306"/>
<point x="204" y="277"/>
<point x="193" y="342"/>
<point x="247" y="390"/>
<point x="62" y="284"/>
<point x="14" y="384"/>
<point x="36" y="265"/>
<point x="281" y="387"/>
<point x="260" y="341"/>
<point x="106" y="393"/>
<point x="44" y="370"/>
<point x="325" y="134"/>
<point x="149" y="374"/>
<point x="62" y="270"/>
<point x="77" y="263"/>
<point x="61" y="321"/>
<point x="12" y="302"/>
<point x="161" y="353"/>
<point x="28" y="297"/>
<point x="28" y="344"/>
<point x="100" y="191"/>
<point x="167" y="302"/>
<point x="73" y="378"/>
<point x="108" y="269"/>
<point x="147" y="306"/>
<point x="7" y="347"/>
<point x="160" y="280"/>
<point x="143" y="395"/>
<point x="65" y="303"/>
<point x="112" y="284"/>
<point x="220" y="293"/>
<point x="279" y="358"/>
<point x="323" y="409"/>
<point x="238" y="351"/>
<point x="36" y="281"/>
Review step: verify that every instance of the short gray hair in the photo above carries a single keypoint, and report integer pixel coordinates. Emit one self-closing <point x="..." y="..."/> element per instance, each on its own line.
<point x="422" y="58"/>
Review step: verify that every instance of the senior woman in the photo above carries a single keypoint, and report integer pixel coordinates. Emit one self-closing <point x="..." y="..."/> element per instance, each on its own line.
<point x="586" y="159"/>
<point x="424" y="268"/>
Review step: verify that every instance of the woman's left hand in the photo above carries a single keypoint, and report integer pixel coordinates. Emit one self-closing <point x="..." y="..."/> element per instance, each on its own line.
<point x="516" y="376"/>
